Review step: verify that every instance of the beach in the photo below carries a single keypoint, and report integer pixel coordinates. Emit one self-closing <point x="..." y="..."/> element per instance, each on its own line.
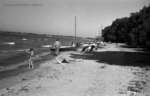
<point x="106" y="72"/>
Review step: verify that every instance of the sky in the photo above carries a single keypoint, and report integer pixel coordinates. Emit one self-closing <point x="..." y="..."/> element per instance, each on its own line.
<point x="57" y="17"/>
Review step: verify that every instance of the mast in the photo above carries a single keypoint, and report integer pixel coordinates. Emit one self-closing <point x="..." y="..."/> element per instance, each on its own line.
<point x="100" y="27"/>
<point x="75" y="28"/>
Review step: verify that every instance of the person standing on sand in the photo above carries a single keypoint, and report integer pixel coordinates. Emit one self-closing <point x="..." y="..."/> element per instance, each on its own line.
<point x="73" y="44"/>
<point x="57" y="46"/>
<point x="31" y="54"/>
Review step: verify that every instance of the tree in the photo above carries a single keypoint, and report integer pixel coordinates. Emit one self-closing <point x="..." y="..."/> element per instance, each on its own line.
<point x="133" y="30"/>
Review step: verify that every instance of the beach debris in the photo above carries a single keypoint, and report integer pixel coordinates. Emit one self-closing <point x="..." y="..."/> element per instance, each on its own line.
<point x="7" y="89"/>
<point x="62" y="60"/>
<point x="102" y="67"/>
<point x="24" y="88"/>
<point x="39" y="87"/>
<point x="23" y="79"/>
<point x="58" y="61"/>
<point x="131" y="93"/>
<point x="65" y="61"/>
<point x="10" y="91"/>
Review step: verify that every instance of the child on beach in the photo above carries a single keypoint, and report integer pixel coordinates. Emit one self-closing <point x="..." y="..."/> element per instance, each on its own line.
<point x="31" y="54"/>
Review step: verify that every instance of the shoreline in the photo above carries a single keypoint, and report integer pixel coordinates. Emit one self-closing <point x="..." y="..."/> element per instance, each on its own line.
<point x="82" y="76"/>
<point x="14" y="71"/>
<point x="8" y="76"/>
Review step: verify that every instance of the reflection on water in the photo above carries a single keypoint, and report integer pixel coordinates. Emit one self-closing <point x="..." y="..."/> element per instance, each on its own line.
<point x="24" y="39"/>
<point x="9" y="43"/>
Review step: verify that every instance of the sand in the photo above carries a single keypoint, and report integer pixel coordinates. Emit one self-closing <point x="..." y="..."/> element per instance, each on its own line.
<point x="79" y="77"/>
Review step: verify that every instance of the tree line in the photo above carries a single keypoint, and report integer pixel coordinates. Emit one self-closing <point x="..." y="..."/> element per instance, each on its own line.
<point x="133" y="30"/>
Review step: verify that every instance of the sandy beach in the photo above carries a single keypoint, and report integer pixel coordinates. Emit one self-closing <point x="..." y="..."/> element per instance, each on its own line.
<point x="83" y="75"/>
